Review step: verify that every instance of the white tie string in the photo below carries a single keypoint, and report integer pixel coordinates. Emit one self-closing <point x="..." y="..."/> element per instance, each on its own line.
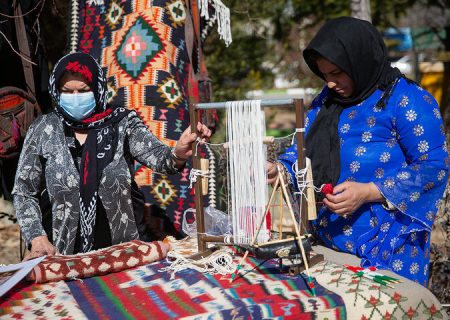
<point x="193" y="175"/>
<point x="297" y="130"/>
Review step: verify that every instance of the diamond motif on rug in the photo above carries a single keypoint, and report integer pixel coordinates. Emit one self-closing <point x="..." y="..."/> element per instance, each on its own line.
<point x="140" y="45"/>
<point x="177" y="12"/>
<point x="170" y="93"/>
<point x="114" y="14"/>
<point x="164" y="192"/>
<point x="150" y="18"/>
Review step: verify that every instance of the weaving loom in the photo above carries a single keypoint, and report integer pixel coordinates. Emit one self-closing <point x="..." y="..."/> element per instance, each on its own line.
<point x="247" y="171"/>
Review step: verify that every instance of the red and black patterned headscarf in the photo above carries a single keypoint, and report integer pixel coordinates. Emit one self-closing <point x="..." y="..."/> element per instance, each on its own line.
<point x="101" y="142"/>
<point x="87" y="67"/>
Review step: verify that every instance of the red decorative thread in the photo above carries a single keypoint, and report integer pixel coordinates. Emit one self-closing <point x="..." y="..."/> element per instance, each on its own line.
<point x="86" y="171"/>
<point x="75" y="66"/>
<point x="97" y="116"/>
<point x="327" y="189"/>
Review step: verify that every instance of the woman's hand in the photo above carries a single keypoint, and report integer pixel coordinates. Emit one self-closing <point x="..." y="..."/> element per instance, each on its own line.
<point x="272" y="171"/>
<point x="40" y="246"/>
<point x="348" y="196"/>
<point x="183" y="149"/>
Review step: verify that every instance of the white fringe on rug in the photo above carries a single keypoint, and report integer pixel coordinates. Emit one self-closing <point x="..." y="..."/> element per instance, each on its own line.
<point x="223" y="18"/>
<point x="219" y="262"/>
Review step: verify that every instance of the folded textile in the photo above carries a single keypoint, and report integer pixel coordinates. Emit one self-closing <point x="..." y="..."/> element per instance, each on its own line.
<point x="96" y="263"/>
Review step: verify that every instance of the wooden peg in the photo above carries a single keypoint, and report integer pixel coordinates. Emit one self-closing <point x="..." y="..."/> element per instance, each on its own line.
<point x="204" y="166"/>
<point x="312" y="210"/>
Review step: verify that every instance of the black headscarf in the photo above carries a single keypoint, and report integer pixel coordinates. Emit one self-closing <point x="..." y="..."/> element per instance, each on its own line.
<point x="101" y="142"/>
<point x="357" y="48"/>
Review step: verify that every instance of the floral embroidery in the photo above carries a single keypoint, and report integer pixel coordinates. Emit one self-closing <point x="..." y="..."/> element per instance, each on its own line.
<point x="418" y="130"/>
<point x="404" y="101"/>
<point x="354" y="166"/>
<point x="397" y="265"/>
<point x="345" y="128"/>
<point x="348" y="230"/>
<point x="371" y="121"/>
<point x="352" y="114"/>
<point x="385" y="226"/>
<point x="391" y="142"/>
<point x="366" y="136"/>
<point x="360" y="151"/>
<point x="414" y="196"/>
<point x="385" y="156"/>
<point x="403" y="175"/>
<point x="411" y="115"/>
<point x="428" y="99"/>
<point x="379" y="173"/>
<point x="423" y="146"/>
<point x="389" y="183"/>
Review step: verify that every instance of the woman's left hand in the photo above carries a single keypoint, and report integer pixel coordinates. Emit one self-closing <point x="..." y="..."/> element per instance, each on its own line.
<point x="183" y="149"/>
<point x="348" y="196"/>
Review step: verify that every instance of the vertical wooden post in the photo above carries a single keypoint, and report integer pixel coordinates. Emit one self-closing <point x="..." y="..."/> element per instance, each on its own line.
<point x="300" y="123"/>
<point x="199" y="212"/>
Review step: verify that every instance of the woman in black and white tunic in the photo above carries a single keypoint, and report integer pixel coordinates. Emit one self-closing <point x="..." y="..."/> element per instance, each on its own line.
<point x="83" y="154"/>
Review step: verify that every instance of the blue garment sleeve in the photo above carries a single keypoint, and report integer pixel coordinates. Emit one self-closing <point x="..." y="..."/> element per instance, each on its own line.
<point x="416" y="187"/>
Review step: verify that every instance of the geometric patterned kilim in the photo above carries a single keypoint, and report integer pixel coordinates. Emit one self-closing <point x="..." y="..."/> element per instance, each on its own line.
<point x="147" y="293"/>
<point x="141" y="45"/>
<point x="260" y="291"/>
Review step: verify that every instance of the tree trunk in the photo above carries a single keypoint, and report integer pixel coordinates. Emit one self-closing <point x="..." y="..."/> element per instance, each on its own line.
<point x="440" y="237"/>
<point x="361" y="9"/>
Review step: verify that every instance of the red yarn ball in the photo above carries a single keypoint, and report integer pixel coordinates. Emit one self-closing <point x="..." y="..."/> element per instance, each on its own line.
<point x="327" y="189"/>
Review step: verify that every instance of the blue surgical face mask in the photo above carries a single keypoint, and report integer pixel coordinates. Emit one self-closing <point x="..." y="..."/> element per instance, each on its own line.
<point x="78" y="106"/>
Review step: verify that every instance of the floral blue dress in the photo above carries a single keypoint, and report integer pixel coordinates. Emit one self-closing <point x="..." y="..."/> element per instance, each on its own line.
<point x="402" y="150"/>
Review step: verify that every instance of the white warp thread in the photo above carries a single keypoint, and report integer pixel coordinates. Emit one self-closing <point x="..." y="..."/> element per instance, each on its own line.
<point x="247" y="155"/>
<point x="220" y="262"/>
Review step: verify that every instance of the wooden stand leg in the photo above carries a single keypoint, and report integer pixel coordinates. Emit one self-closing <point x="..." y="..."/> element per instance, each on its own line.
<point x="281" y="216"/>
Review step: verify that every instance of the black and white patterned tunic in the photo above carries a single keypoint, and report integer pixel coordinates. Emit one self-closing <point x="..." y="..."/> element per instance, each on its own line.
<point x="46" y="162"/>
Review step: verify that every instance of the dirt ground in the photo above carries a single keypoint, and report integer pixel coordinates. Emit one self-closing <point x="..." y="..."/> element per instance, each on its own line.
<point x="9" y="244"/>
<point x="9" y="234"/>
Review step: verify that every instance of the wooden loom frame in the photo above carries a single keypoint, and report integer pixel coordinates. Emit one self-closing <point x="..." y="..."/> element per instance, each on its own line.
<point x="194" y="109"/>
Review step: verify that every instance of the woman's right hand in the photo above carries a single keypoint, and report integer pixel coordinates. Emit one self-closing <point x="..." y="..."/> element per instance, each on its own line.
<point x="272" y="171"/>
<point x="40" y="246"/>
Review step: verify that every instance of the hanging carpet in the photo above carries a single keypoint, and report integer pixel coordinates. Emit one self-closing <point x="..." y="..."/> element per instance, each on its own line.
<point x="142" y="47"/>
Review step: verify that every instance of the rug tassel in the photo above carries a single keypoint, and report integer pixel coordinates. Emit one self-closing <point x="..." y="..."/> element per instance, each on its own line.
<point x="220" y="262"/>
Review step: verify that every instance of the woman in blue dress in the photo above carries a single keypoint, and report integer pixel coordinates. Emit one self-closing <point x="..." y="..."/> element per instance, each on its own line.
<point x="378" y="138"/>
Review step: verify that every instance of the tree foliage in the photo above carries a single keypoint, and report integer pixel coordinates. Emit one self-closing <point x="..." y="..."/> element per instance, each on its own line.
<point x="269" y="36"/>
